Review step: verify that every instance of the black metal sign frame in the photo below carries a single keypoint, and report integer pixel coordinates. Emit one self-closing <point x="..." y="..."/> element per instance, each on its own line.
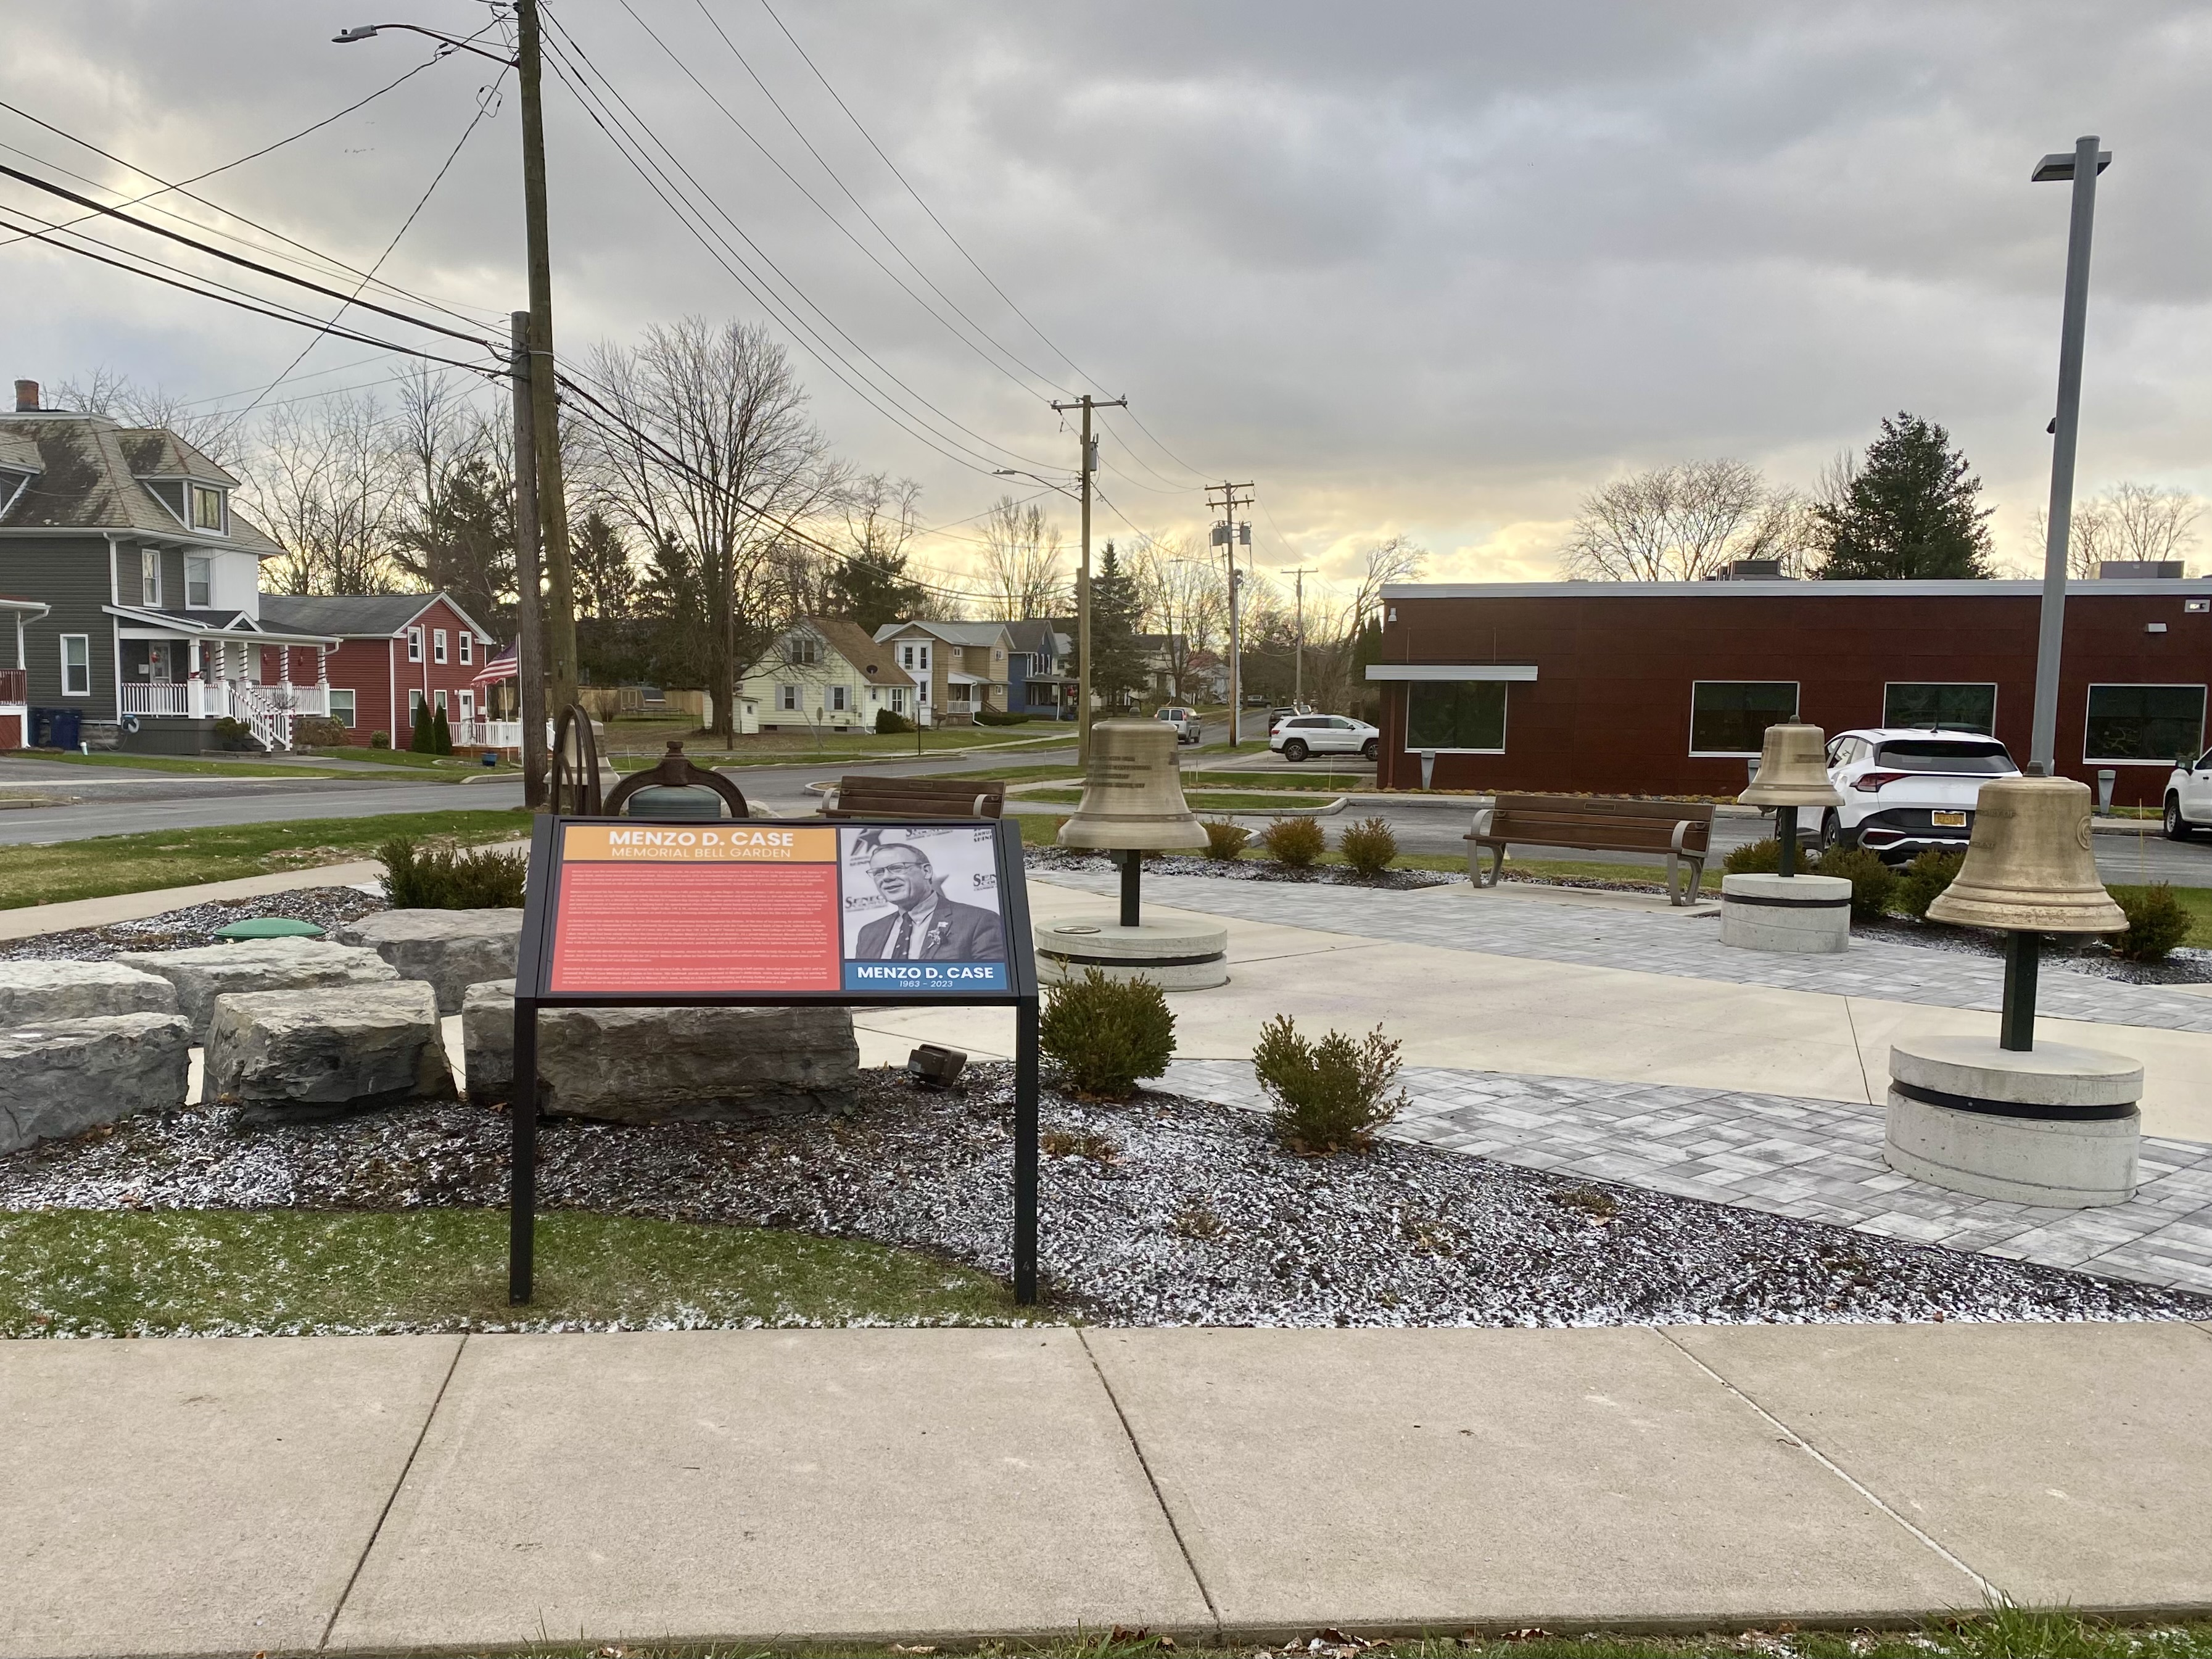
<point x="533" y="991"/>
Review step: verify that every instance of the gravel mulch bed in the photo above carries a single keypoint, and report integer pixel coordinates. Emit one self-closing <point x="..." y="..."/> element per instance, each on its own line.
<point x="2186" y="965"/>
<point x="1162" y="1211"/>
<point x="329" y="907"/>
<point x="1176" y="864"/>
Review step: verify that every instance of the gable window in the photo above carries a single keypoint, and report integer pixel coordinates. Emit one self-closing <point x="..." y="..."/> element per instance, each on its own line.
<point x="149" y="576"/>
<point x="206" y="509"/>
<point x="199" y="582"/>
<point x="77" y="664"/>
<point x="2155" y="724"/>
<point x="413" y="645"/>
<point x="468" y="647"/>
<point x="1729" y="718"/>
<point x="803" y="650"/>
<point x="1941" y="708"/>
<point x="438" y="645"/>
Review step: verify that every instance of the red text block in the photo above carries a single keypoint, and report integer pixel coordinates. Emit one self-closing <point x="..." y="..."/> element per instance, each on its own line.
<point x="699" y="928"/>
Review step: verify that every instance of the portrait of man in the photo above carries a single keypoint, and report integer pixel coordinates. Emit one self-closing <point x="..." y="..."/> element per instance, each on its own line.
<point x="924" y="926"/>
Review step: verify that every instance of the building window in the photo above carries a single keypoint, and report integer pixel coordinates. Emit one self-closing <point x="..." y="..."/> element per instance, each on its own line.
<point x="468" y="647"/>
<point x="207" y="508"/>
<point x="438" y="645"/>
<point x="840" y="699"/>
<point x="77" y="664"/>
<point x="413" y="645"/>
<point x="802" y="650"/>
<point x="199" y="581"/>
<point x="342" y="706"/>
<point x="898" y="701"/>
<point x="1941" y="708"/>
<point x="150" y="577"/>
<point x="787" y="698"/>
<point x="441" y="705"/>
<point x="414" y="703"/>
<point x="1466" y="716"/>
<point x="1730" y="717"/>
<point x="2145" y="723"/>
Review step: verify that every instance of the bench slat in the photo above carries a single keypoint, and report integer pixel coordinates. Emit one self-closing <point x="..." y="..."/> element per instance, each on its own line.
<point x="918" y="797"/>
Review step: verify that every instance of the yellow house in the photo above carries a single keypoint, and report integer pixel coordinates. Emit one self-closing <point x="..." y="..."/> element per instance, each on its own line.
<point x="826" y="674"/>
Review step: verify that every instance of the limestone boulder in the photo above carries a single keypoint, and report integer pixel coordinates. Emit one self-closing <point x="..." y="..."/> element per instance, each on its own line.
<point x="39" y="993"/>
<point x="66" y="1076"/>
<point x="452" y="950"/>
<point x="666" y="1065"/>
<point x="309" y="1053"/>
<point x="209" y="971"/>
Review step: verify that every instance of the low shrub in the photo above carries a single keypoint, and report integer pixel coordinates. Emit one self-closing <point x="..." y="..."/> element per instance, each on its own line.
<point x="379" y="740"/>
<point x="442" y="877"/>
<point x="419" y="741"/>
<point x="1294" y="842"/>
<point x="1225" y="840"/>
<point x="1925" y="880"/>
<point x="1873" y="882"/>
<point x="314" y="732"/>
<point x="993" y="717"/>
<point x="1368" y="846"/>
<point x="889" y="725"/>
<point x="1107" y="1033"/>
<point x="1330" y="1096"/>
<point x="1754" y="858"/>
<point x="441" y="734"/>
<point x="232" y="734"/>
<point x="2157" y="921"/>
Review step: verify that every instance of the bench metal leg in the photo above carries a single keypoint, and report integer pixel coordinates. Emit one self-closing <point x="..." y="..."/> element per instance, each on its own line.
<point x="1474" y="864"/>
<point x="1694" y="884"/>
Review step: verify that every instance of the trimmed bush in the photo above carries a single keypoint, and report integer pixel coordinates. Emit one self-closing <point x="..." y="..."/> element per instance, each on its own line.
<point x="2157" y="921"/>
<point x="993" y="717"/>
<point x="1330" y="1096"/>
<point x="441" y="877"/>
<point x="1368" y="846"/>
<point x="1294" y="842"/>
<point x="419" y="741"/>
<point x="379" y="740"/>
<point x="1225" y="840"/>
<point x="232" y="734"/>
<point x="314" y="732"/>
<point x="1925" y="880"/>
<point x="1872" y="881"/>
<point x="889" y="725"/>
<point x="1107" y="1033"/>
<point x="441" y="735"/>
<point x="1754" y="858"/>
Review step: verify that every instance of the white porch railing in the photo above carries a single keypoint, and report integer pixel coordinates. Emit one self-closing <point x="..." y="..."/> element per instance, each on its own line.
<point x="159" y="697"/>
<point x="270" y="710"/>
<point x="487" y="734"/>
<point x="270" y="723"/>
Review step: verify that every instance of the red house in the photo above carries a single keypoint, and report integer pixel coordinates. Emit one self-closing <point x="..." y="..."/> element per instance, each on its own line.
<point x="396" y="653"/>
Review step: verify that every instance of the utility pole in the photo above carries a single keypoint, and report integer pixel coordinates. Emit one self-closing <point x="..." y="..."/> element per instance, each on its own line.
<point x="560" y="632"/>
<point x="1090" y="464"/>
<point x="1225" y="533"/>
<point x="529" y="623"/>
<point x="1299" y="667"/>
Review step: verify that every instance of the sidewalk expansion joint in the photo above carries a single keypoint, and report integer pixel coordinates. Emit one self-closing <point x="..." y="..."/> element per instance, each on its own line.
<point x="392" y="1497"/>
<point x="1991" y="1594"/>
<point x="1153" y="1480"/>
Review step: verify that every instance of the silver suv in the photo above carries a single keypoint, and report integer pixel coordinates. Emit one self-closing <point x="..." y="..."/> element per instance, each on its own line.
<point x="1185" y="721"/>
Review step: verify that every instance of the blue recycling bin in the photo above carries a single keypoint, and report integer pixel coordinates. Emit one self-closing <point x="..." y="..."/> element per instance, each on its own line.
<point x="56" y="728"/>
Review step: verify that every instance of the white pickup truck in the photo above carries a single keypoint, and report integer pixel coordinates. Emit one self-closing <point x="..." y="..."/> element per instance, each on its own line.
<point x="2189" y="798"/>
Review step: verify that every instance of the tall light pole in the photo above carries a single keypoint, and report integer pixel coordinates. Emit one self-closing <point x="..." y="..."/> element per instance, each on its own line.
<point x="2081" y="168"/>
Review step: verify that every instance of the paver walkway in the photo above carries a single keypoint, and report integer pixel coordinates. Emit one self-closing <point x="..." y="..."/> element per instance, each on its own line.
<point x="382" y="1494"/>
<point x="1817" y="1160"/>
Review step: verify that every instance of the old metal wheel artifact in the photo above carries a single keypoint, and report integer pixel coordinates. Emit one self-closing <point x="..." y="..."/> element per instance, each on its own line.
<point x="575" y="792"/>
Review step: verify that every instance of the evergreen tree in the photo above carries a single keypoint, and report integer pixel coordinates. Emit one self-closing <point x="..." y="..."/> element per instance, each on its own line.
<point x="441" y="734"/>
<point x="419" y="743"/>
<point x="1117" y="664"/>
<point x="873" y="588"/>
<point x="1908" y="510"/>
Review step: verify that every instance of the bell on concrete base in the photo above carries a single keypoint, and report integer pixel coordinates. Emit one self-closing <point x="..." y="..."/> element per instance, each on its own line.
<point x="2029" y="866"/>
<point x="1793" y="770"/>
<point x="1132" y="792"/>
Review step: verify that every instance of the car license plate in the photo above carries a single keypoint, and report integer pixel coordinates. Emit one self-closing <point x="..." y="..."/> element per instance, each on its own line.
<point x="1949" y="820"/>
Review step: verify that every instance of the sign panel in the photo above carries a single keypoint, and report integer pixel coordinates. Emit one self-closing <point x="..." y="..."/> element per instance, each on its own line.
<point x="901" y="911"/>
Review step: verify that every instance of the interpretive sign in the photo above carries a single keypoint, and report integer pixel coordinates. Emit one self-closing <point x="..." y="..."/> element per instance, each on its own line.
<point x="755" y="912"/>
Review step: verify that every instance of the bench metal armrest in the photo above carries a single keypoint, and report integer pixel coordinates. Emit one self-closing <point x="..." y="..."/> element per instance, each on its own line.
<point x="1682" y="827"/>
<point x="981" y="801"/>
<point x="1688" y="892"/>
<point x="1480" y="826"/>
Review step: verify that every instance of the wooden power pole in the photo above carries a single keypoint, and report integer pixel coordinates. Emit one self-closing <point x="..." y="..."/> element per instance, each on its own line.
<point x="1298" y="668"/>
<point x="1233" y="496"/>
<point x="1086" y="403"/>
<point x="560" y="630"/>
<point x="529" y="597"/>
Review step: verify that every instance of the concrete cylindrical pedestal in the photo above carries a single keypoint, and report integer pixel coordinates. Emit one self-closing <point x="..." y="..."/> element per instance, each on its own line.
<point x="1804" y="916"/>
<point x="2057" y="1126"/>
<point x="1174" y="955"/>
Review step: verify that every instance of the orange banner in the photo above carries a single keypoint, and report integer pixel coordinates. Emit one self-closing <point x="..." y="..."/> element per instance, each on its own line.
<point x="711" y="842"/>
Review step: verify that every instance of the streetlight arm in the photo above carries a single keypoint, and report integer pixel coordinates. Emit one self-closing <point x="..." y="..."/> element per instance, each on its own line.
<point x="370" y="31"/>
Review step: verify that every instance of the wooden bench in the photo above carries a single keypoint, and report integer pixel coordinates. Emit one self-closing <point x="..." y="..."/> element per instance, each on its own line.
<point x="866" y="796"/>
<point x="1682" y="829"/>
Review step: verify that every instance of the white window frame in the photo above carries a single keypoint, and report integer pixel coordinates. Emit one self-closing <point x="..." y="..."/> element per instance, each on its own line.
<point x="787" y="697"/>
<point x="413" y="645"/>
<point x="906" y="655"/>
<point x="149" y="578"/>
<point x="415" y="701"/>
<point x="898" y="700"/>
<point x="1995" y="690"/>
<point x="85" y="640"/>
<point x="1504" y="721"/>
<point x="439" y="706"/>
<point x="352" y="706"/>
<point x="438" y="645"/>
<point x="1796" y="709"/>
<point x="206" y="563"/>
<point x="2090" y="695"/>
<point x="468" y="644"/>
<point x="193" y="493"/>
<point x="841" y="699"/>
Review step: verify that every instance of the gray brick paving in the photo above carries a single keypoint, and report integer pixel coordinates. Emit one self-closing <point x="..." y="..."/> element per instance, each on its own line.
<point x="1685" y="946"/>
<point x="1816" y="1160"/>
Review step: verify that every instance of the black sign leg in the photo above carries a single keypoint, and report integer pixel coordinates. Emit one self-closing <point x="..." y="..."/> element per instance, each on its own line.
<point x="1025" y="1152"/>
<point x="522" y="1174"/>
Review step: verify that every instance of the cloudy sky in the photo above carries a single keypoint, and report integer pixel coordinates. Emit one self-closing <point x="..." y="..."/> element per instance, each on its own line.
<point x="1431" y="268"/>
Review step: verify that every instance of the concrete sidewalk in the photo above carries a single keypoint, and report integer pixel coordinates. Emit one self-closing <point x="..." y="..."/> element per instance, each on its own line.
<point x="382" y="1494"/>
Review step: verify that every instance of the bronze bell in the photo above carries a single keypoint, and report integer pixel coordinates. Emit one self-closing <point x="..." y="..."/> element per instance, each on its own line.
<point x="1132" y="792"/>
<point x="1793" y="770"/>
<point x="2029" y="866"/>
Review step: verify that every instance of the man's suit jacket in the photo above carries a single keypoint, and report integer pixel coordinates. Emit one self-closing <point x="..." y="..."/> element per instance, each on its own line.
<point x="957" y="932"/>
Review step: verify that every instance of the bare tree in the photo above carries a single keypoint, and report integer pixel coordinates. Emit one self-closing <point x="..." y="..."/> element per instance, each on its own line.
<point x="213" y="432"/>
<point x="455" y="531"/>
<point x="711" y="458"/>
<point x="2130" y="521"/>
<point x="328" y="487"/>
<point x="1684" y="523"/>
<point x="1022" y="551"/>
<point x="1185" y="595"/>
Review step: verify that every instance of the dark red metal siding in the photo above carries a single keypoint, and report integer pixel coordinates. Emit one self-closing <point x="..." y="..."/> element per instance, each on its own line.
<point x="1610" y="710"/>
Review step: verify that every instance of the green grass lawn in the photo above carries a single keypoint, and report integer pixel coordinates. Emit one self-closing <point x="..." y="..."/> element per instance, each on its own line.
<point x="183" y="858"/>
<point x="109" y="1273"/>
<point x="241" y="767"/>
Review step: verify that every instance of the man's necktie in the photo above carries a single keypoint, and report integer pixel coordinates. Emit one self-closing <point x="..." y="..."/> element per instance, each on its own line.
<point x="901" y="936"/>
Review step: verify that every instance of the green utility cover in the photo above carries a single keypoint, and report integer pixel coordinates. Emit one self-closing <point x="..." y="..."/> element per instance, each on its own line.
<point x="270" y="928"/>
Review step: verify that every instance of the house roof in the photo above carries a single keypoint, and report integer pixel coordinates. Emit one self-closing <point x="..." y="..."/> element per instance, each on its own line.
<point x="952" y="632"/>
<point x="1033" y="633"/>
<point x="852" y="641"/>
<point x="356" y="615"/>
<point x="89" y="473"/>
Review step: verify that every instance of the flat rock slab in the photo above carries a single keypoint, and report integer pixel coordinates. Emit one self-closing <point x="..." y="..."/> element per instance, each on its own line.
<point x="451" y="949"/>
<point x="202" y="974"/>
<point x="34" y="993"/>
<point x="199" y="1496"/>
<point x="665" y="1065"/>
<point x="285" y="1054"/>
<point x="67" y="1076"/>
<point x="841" y="1485"/>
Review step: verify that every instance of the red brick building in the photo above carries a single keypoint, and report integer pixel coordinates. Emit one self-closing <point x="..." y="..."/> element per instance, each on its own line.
<point x="1664" y="688"/>
<point x="394" y="652"/>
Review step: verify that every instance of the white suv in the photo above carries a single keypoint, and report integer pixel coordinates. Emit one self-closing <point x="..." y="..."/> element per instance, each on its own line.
<point x="1300" y="735"/>
<point x="2189" y="798"/>
<point x="1907" y="790"/>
